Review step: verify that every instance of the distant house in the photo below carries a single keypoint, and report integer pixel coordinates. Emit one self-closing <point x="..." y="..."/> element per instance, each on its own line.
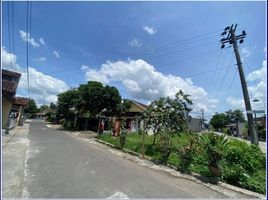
<point x="10" y="81"/>
<point x="236" y="129"/>
<point x="261" y="121"/>
<point x="17" y="110"/>
<point x="195" y="124"/>
<point x="132" y="124"/>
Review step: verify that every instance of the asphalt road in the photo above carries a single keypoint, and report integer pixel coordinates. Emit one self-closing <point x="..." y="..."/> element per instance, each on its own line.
<point x="59" y="165"/>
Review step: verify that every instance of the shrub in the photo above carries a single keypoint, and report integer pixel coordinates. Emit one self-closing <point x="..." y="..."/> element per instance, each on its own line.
<point x="122" y="138"/>
<point x="186" y="155"/>
<point x="165" y="147"/>
<point x="213" y="147"/>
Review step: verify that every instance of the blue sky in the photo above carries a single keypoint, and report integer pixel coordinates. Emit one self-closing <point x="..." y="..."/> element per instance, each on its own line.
<point x="151" y="47"/>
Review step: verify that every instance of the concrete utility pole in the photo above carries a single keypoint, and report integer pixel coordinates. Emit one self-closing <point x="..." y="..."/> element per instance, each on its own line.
<point x="202" y="119"/>
<point x="232" y="39"/>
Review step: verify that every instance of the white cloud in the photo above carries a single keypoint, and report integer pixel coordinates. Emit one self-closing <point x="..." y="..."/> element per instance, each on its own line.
<point x="56" y="54"/>
<point x="9" y="60"/>
<point x="257" y="90"/>
<point x="27" y="38"/>
<point x="150" y="30"/>
<point x="43" y="88"/>
<point x="41" y="59"/>
<point x="236" y="103"/>
<point x="42" y="41"/>
<point x="260" y="74"/>
<point x="135" y="43"/>
<point x="143" y="81"/>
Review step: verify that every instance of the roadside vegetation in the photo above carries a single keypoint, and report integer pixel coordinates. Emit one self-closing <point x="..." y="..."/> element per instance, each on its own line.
<point x="171" y="142"/>
<point x="241" y="164"/>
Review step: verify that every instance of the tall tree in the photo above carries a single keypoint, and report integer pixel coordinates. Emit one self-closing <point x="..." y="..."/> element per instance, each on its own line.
<point x="44" y="108"/>
<point x="219" y="120"/>
<point x="31" y="108"/>
<point x="234" y="116"/>
<point x="94" y="98"/>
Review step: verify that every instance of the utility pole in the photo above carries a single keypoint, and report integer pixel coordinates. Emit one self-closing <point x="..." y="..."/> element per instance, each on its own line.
<point x="202" y="119"/>
<point x="232" y="39"/>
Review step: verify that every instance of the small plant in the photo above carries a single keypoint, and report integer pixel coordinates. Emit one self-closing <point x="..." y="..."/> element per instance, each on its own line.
<point x="123" y="138"/>
<point x="165" y="147"/>
<point x="186" y="155"/>
<point x="213" y="146"/>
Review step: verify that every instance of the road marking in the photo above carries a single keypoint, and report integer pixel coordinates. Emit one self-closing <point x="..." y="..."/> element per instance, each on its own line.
<point x="118" y="195"/>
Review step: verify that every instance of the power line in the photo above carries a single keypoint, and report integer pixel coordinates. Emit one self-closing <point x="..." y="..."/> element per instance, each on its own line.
<point x="228" y="91"/>
<point x="9" y="33"/>
<point x="215" y="91"/>
<point x="212" y="80"/>
<point x="27" y="45"/>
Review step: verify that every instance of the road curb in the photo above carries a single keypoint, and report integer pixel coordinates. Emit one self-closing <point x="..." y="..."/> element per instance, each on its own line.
<point x="219" y="187"/>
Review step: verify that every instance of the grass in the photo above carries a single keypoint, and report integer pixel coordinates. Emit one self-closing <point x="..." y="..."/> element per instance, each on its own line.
<point x="247" y="156"/>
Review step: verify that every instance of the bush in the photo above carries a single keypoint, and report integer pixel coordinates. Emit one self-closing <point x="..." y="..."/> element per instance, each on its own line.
<point x="186" y="154"/>
<point x="244" y="166"/>
<point x="122" y="138"/>
<point x="165" y="147"/>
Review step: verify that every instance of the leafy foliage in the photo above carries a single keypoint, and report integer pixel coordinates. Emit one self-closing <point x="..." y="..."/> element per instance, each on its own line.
<point x="238" y="158"/>
<point x="186" y="155"/>
<point x="165" y="146"/>
<point x="168" y="114"/>
<point x="213" y="146"/>
<point x="31" y="108"/>
<point x="219" y="120"/>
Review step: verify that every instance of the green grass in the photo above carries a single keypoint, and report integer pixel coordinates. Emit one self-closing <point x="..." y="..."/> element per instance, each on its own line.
<point x="246" y="157"/>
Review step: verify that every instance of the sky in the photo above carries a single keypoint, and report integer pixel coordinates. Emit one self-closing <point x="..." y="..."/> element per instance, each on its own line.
<point x="146" y="49"/>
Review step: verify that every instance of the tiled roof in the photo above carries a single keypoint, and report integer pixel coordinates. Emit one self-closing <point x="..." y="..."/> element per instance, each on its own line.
<point x="10" y="73"/>
<point x="140" y="104"/>
<point x="21" y="101"/>
<point x="9" y="87"/>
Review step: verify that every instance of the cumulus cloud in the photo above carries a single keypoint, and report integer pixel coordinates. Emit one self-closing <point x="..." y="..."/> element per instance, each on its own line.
<point x="143" y="81"/>
<point x="43" y="88"/>
<point x="56" y="54"/>
<point x="135" y="43"/>
<point x="27" y="38"/>
<point x="150" y="30"/>
<point x="260" y="74"/>
<point x="236" y="103"/>
<point x="256" y="87"/>
<point x="42" y="41"/>
<point x="9" y="60"/>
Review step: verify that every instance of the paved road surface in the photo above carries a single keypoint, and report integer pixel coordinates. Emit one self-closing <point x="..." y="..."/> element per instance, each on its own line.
<point x="62" y="166"/>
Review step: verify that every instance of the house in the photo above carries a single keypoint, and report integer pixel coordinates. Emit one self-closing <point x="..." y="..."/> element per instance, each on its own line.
<point x="131" y="118"/>
<point x="195" y="124"/>
<point x="261" y="121"/>
<point x="17" y="110"/>
<point x="10" y="81"/>
<point x="235" y="129"/>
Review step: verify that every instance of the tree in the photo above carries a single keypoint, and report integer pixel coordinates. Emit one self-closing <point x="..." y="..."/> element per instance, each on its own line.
<point x="67" y="102"/>
<point x="235" y="116"/>
<point x="219" y="120"/>
<point x="52" y="106"/>
<point x="31" y="108"/>
<point x="168" y="115"/>
<point x="44" y="108"/>
<point x="94" y="98"/>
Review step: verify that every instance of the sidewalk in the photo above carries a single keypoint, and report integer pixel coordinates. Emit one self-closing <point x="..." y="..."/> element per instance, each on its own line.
<point x="14" y="147"/>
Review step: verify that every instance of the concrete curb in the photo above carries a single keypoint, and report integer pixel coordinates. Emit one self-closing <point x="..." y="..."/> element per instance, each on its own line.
<point x="220" y="187"/>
